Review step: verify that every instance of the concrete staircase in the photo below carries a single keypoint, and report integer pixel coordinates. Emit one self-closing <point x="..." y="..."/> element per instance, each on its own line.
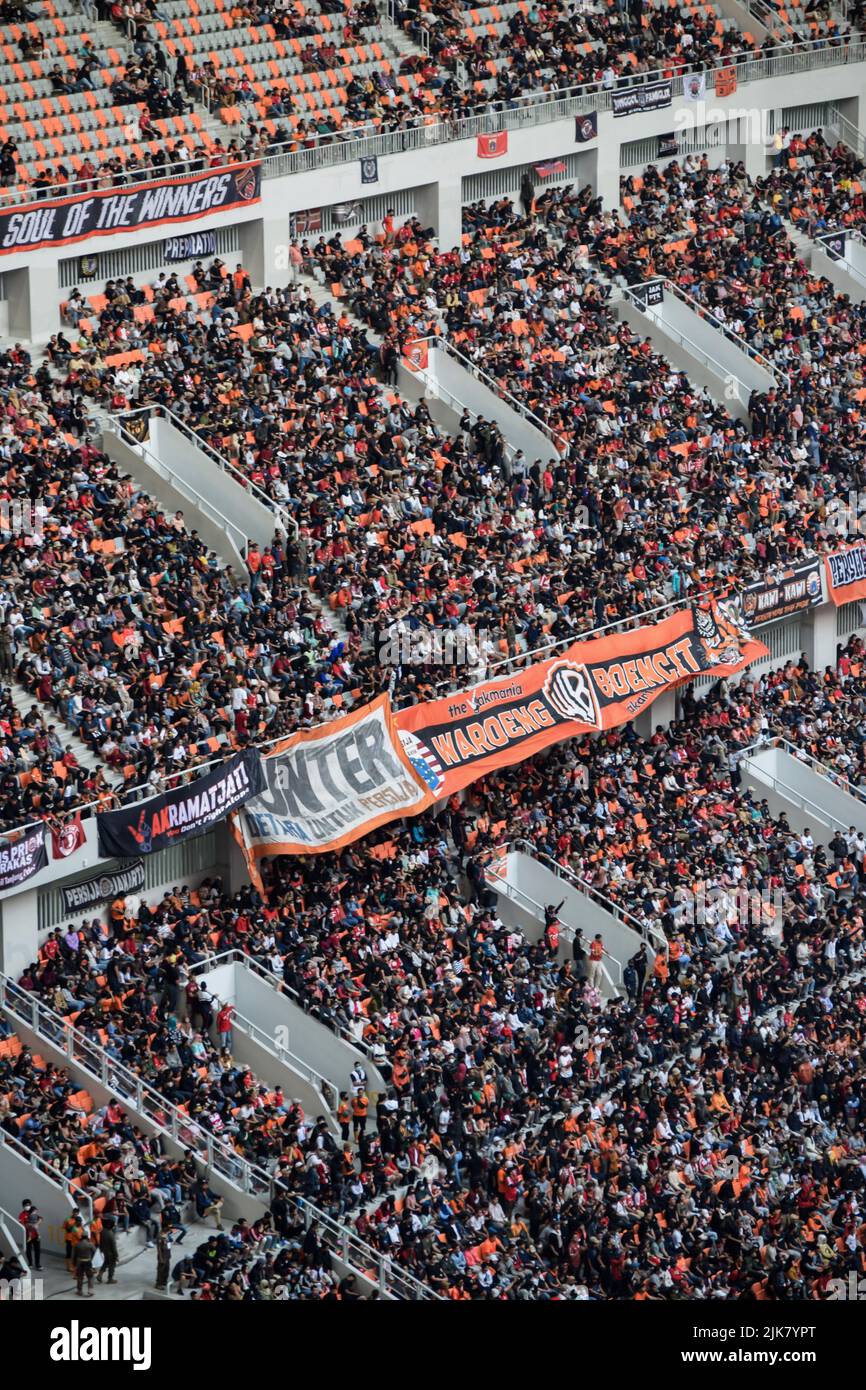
<point x="135" y="1274"/>
<point x="24" y="702"/>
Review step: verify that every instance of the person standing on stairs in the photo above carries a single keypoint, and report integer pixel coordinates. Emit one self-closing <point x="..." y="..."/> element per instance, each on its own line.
<point x="7" y="651"/>
<point x="108" y="1246"/>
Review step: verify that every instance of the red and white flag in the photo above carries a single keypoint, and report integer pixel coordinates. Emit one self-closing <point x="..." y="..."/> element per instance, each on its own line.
<point x="67" y="838"/>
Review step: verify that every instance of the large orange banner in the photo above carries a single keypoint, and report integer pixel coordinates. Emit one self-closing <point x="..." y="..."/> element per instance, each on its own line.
<point x="329" y="786"/>
<point x="591" y="686"/>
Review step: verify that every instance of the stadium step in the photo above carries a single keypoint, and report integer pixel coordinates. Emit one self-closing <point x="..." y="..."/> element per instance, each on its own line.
<point x="24" y="702"/>
<point x="247" y="1189"/>
<point x="135" y="1274"/>
<point x="526" y="882"/>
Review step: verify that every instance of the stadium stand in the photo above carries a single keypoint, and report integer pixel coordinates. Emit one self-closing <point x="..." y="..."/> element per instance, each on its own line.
<point x="495" y="1153"/>
<point x="75" y="113"/>
<point x="679" y="1121"/>
<point x="522" y="47"/>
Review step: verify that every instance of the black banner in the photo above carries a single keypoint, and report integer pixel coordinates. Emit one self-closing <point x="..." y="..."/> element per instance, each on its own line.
<point x="586" y="127"/>
<point x="667" y="145"/>
<point x="23" y="859"/>
<point x="792" y="592"/>
<point x="652" y="97"/>
<point x="80" y="897"/>
<point x="834" y="244"/>
<point x="370" y="170"/>
<point x="187" y="248"/>
<point x="649" y="292"/>
<point x="109" y="211"/>
<point x="178" y="815"/>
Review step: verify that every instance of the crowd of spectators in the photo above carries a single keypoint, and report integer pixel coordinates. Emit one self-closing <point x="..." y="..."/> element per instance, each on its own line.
<point x="536" y="1139"/>
<point x="153" y="91"/>
<point x="414" y="525"/>
<point x="561" y="43"/>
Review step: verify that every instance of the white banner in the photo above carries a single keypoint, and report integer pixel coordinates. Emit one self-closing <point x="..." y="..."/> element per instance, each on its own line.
<point x="327" y="787"/>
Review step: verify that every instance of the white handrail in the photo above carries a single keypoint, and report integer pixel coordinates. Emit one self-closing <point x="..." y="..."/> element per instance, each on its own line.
<point x="139" y="1096"/>
<point x="236" y="535"/>
<point x="251" y="963"/>
<point x="751" y="65"/>
<point x="226" y="466"/>
<point x="502" y="392"/>
<point x="822" y="769"/>
<point x="694" y="349"/>
<point x="704" y="313"/>
<point x="511" y="890"/>
<point x="622" y="914"/>
<point x="799" y="799"/>
<point x="290" y="1059"/>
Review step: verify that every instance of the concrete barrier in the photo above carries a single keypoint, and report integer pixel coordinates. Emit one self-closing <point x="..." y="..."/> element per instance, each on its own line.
<point x="808" y="799"/>
<point x="525" y="886"/>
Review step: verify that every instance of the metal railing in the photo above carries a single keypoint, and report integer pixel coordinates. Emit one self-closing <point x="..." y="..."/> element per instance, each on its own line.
<point x="694" y="350"/>
<point x="448" y="398"/>
<point x="217" y="1156"/>
<point x="848" y="132"/>
<point x="764" y="14"/>
<point x="504" y="395"/>
<point x="255" y="967"/>
<point x="610" y="965"/>
<point x="725" y="329"/>
<point x="289" y="1059"/>
<point x="799" y="799"/>
<point x="135" y="1092"/>
<point x="644" y="930"/>
<point x="821" y="769"/>
<point x="46" y="1170"/>
<point x="235" y="533"/>
<point x="225" y="465"/>
<point x="849" y="234"/>
<point x="13" y="1233"/>
<point x="537" y="108"/>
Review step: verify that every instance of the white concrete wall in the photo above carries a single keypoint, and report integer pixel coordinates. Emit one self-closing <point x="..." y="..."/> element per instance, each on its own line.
<point x="847" y="276"/>
<point x="20" y="1179"/>
<point x="173" y="496"/>
<point x="204" y="476"/>
<point x="34" y="300"/>
<point x="729" y="364"/>
<point x="808" y="798"/>
<point x="539" y="884"/>
<point x="445" y="371"/>
<point x="306" y="1037"/>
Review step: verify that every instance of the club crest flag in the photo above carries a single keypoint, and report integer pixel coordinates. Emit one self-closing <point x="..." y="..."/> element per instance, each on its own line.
<point x="492" y="146"/>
